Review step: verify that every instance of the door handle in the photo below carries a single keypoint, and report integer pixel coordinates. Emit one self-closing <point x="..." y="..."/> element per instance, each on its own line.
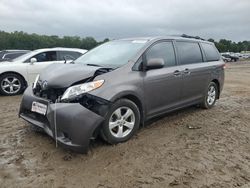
<point x="186" y="71"/>
<point x="177" y="73"/>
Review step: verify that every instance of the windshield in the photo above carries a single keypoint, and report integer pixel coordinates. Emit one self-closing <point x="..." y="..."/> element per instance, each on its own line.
<point x="25" y="56"/>
<point x="112" y="54"/>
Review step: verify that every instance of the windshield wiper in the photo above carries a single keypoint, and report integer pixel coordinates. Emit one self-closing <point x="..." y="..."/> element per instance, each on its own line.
<point x="94" y="65"/>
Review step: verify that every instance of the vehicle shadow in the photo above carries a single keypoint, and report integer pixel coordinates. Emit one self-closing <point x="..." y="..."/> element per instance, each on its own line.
<point x="183" y="112"/>
<point x="171" y="116"/>
<point x="98" y="142"/>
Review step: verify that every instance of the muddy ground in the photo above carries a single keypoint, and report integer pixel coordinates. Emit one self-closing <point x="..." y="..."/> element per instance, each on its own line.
<point x="166" y="153"/>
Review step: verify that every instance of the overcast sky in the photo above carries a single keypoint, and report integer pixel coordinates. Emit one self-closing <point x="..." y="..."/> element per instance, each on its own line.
<point x="113" y="19"/>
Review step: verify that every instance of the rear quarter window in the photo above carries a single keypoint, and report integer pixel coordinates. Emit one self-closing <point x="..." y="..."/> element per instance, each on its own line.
<point x="189" y="52"/>
<point x="211" y="52"/>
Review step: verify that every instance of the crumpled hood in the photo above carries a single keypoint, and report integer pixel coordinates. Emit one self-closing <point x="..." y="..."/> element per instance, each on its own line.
<point x="64" y="75"/>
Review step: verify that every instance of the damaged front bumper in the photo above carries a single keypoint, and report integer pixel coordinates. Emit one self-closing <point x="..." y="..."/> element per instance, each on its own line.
<point x="71" y="124"/>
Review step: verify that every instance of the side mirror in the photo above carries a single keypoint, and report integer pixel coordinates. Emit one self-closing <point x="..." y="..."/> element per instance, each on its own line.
<point x="67" y="58"/>
<point x="33" y="60"/>
<point x="155" y="63"/>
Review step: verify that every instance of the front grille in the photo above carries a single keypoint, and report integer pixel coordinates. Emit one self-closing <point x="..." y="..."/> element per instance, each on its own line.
<point x="50" y="94"/>
<point x="41" y="118"/>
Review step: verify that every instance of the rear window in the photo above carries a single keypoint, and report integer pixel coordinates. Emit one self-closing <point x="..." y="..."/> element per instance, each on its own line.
<point x="210" y="52"/>
<point x="189" y="52"/>
<point x="13" y="55"/>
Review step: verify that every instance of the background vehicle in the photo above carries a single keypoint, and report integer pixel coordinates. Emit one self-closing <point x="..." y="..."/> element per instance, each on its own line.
<point x="225" y="59"/>
<point x="22" y="71"/>
<point x="230" y="56"/>
<point x="117" y="86"/>
<point x="245" y="56"/>
<point x="8" y="55"/>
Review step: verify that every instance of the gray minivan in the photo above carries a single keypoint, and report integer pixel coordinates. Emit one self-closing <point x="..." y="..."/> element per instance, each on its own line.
<point x="114" y="88"/>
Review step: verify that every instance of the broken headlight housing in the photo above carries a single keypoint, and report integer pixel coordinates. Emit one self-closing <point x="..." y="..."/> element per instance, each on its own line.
<point x="77" y="90"/>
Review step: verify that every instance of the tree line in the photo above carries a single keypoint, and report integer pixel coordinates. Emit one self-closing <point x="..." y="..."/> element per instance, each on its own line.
<point x="25" y="41"/>
<point x="224" y="45"/>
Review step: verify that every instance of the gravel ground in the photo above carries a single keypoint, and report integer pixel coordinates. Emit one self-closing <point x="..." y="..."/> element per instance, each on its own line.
<point x="187" y="148"/>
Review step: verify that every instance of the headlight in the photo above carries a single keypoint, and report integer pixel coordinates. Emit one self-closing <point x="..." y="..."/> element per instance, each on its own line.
<point x="76" y="90"/>
<point x="36" y="80"/>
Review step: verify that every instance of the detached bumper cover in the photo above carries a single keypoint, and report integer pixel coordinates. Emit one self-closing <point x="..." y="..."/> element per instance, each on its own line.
<point x="75" y="124"/>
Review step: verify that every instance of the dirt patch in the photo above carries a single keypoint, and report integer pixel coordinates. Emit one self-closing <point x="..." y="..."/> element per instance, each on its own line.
<point x="188" y="148"/>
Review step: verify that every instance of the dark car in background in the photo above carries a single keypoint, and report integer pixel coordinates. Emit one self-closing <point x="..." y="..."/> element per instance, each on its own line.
<point x="114" y="88"/>
<point x="7" y="55"/>
<point x="229" y="57"/>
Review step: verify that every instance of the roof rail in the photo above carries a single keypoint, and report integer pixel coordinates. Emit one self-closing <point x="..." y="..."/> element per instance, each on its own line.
<point x="193" y="37"/>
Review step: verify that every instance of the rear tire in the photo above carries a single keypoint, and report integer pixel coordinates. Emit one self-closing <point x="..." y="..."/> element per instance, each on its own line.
<point x="211" y="96"/>
<point x="11" y="84"/>
<point x="121" y="122"/>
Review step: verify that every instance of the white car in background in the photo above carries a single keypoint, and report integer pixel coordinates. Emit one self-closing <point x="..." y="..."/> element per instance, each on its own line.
<point x="16" y="75"/>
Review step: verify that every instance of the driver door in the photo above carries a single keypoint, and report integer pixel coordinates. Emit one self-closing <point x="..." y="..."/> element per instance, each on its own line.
<point x="42" y="60"/>
<point x="162" y="86"/>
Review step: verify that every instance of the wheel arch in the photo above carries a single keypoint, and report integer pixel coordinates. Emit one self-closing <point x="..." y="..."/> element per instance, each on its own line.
<point x="13" y="72"/>
<point x="130" y="97"/>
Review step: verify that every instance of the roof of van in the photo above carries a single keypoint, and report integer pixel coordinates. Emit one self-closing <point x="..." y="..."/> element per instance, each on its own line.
<point x="171" y="37"/>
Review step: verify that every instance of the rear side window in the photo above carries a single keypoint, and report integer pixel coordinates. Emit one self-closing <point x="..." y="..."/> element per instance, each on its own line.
<point x="189" y="52"/>
<point x="210" y="52"/>
<point x="68" y="55"/>
<point x="163" y="50"/>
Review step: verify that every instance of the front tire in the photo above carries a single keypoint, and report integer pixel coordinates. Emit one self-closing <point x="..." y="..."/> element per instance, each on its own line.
<point x="121" y="122"/>
<point x="210" y="96"/>
<point x="11" y="84"/>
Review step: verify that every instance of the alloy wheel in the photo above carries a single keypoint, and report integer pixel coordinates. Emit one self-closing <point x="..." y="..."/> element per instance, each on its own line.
<point x="211" y="95"/>
<point x="122" y="122"/>
<point x="11" y="85"/>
